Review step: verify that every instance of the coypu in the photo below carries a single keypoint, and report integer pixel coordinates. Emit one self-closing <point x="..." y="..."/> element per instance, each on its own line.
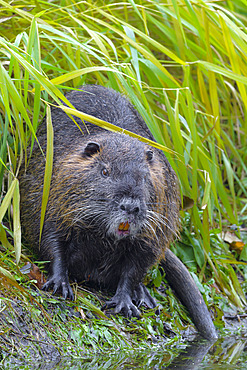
<point x="113" y="206"/>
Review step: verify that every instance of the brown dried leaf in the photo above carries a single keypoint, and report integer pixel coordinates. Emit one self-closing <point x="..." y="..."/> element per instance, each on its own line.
<point x="34" y="273"/>
<point x="236" y="244"/>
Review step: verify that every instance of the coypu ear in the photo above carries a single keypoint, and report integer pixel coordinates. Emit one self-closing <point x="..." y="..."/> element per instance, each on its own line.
<point x="149" y="155"/>
<point x="91" y="148"/>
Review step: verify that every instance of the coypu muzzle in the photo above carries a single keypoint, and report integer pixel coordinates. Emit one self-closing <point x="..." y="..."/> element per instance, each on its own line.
<point x="130" y="217"/>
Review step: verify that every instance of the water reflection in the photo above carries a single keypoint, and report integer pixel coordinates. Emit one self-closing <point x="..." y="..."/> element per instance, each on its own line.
<point x="223" y="354"/>
<point x="192" y="356"/>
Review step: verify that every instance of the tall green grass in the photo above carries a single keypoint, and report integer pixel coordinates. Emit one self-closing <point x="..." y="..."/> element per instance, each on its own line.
<point x="183" y="65"/>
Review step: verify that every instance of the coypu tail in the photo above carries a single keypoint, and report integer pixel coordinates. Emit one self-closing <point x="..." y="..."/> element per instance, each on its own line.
<point x="180" y="280"/>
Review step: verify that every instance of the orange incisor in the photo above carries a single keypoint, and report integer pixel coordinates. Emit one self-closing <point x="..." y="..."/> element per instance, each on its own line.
<point x="124" y="226"/>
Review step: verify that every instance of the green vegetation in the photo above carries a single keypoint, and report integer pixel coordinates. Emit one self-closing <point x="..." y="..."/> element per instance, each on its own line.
<point x="183" y="64"/>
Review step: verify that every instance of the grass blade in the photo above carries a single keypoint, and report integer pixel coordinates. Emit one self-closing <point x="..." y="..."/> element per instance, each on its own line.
<point x="48" y="168"/>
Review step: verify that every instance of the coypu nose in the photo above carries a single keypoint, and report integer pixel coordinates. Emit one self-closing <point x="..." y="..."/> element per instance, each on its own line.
<point x="130" y="207"/>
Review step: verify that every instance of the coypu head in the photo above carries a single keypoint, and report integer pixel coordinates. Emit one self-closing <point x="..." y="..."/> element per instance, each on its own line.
<point x="122" y="189"/>
<point x="111" y="183"/>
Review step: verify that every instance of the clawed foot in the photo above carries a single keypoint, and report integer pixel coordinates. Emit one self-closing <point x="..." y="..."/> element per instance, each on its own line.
<point x="141" y="296"/>
<point x="122" y="305"/>
<point x="59" y="284"/>
<point x="128" y="306"/>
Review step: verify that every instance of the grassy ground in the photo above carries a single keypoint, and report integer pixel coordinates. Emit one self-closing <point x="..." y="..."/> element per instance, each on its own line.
<point x="183" y="65"/>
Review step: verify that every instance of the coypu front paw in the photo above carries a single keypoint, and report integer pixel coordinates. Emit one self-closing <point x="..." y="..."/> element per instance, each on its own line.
<point x="141" y="296"/>
<point x="59" y="284"/>
<point x="124" y="305"/>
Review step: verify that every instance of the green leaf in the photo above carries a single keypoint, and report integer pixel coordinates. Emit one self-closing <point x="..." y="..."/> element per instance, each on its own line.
<point x="243" y="255"/>
<point x="111" y="127"/>
<point x="17" y="222"/>
<point x="48" y="168"/>
<point x="7" y="199"/>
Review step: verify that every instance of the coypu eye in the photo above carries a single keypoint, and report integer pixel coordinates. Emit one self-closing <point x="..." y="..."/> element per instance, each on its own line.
<point x="149" y="155"/>
<point x="104" y="172"/>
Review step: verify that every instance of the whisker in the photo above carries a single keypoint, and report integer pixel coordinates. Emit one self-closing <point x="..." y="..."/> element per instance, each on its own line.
<point x="147" y="225"/>
<point x="159" y="217"/>
<point x="159" y="226"/>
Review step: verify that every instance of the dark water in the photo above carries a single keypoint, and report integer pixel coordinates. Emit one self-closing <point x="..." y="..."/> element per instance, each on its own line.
<point x="229" y="352"/>
<point x="225" y="353"/>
